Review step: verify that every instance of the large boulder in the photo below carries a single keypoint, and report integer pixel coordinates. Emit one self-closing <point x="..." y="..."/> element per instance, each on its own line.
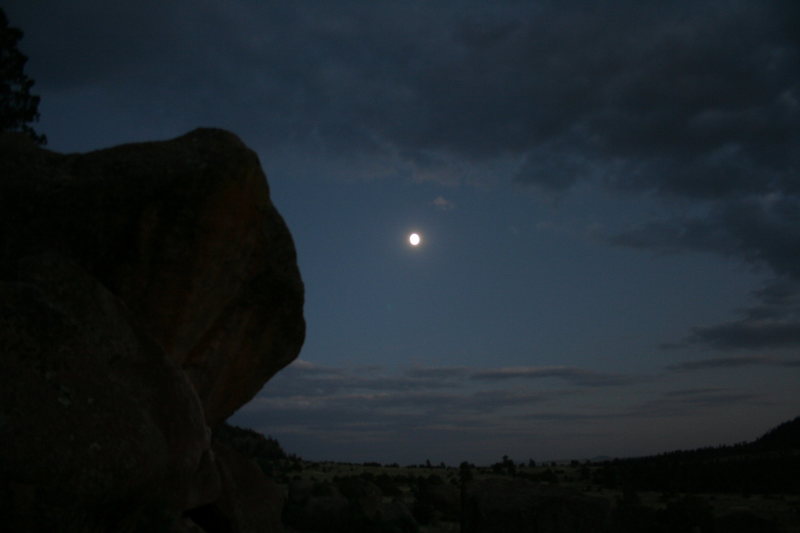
<point x="184" y="233"/>
<point x="147" y="291"/>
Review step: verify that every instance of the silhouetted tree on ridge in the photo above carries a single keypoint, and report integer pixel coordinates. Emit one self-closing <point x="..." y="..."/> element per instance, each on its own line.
<point x="18" y="107"/>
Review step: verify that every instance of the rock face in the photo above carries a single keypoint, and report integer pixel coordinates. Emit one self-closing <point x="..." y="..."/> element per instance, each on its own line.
<point x="146" y="292"/>
<point x="184" y="233"/>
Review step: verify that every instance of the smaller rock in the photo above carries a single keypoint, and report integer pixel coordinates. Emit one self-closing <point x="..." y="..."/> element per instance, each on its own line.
<point x="364" y="496"/>
<point x="250" y="503"/>
<point x="300" y="491"/>
<point x="329" y="512"/>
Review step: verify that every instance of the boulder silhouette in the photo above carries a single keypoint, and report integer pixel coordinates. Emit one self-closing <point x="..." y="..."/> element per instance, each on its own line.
<point x="147" y="291"/>
<point x="184" y="233"/>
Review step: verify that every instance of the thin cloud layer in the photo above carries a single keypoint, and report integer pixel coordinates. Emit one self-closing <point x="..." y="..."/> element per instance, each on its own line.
<point x="734" y="362"/>
<point x="443" y="204"/>
<point x="575" y="376"/>
<point x="304" y="385"/>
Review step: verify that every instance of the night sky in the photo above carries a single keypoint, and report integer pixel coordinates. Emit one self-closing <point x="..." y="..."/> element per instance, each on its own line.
<point x="608" y="195"/>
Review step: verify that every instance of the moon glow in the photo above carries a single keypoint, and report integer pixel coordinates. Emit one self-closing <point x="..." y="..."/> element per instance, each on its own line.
<point x="414" y="239"/>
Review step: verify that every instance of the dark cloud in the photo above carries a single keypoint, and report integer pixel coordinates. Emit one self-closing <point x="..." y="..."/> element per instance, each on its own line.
<point x="687" y="98"/>
<point x="749" y="334"/>
<point x="713" y="121"/>
<point x="761" y="230"/>
<point x="695" y="100"/>
<point x="683" y="402"/>
<point x="774" y="322"/>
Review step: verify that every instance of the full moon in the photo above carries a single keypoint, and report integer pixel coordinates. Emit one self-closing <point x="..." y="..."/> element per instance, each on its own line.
<point x="414" y="239"/>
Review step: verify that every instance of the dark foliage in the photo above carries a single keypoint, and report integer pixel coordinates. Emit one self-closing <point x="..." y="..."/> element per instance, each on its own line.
<point x="404" y="499"/>
<point x="506" y="466"/>
<point x="265" y="451"/>
<point x="250" y="443"/>
<point x="547" y="476"/>
<point x="689" y="514"/>
<point x="347" y="504"/>
<point x="18" y="107"/>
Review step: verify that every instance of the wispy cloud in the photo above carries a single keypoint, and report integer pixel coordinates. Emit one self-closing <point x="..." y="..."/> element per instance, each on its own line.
<point x="441" y="372"/>
<point x="437" y="393"/>
<point x="465" y="408"/>
<point x="576" y="376"/>
<point x="733" y="362"/>
<point x="443" y="204"/>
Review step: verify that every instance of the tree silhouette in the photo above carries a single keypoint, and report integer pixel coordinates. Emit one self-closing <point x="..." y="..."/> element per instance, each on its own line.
<point x="18" y="107"/>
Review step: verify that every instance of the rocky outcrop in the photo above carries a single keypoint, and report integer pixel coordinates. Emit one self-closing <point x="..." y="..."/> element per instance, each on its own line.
<point x="146" y="292"/>
<point x="184" y="233"/>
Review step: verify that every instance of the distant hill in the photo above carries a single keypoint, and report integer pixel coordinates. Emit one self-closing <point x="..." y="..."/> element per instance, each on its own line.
<point x="766" y="465"/>
<point x="786" y="436"/>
